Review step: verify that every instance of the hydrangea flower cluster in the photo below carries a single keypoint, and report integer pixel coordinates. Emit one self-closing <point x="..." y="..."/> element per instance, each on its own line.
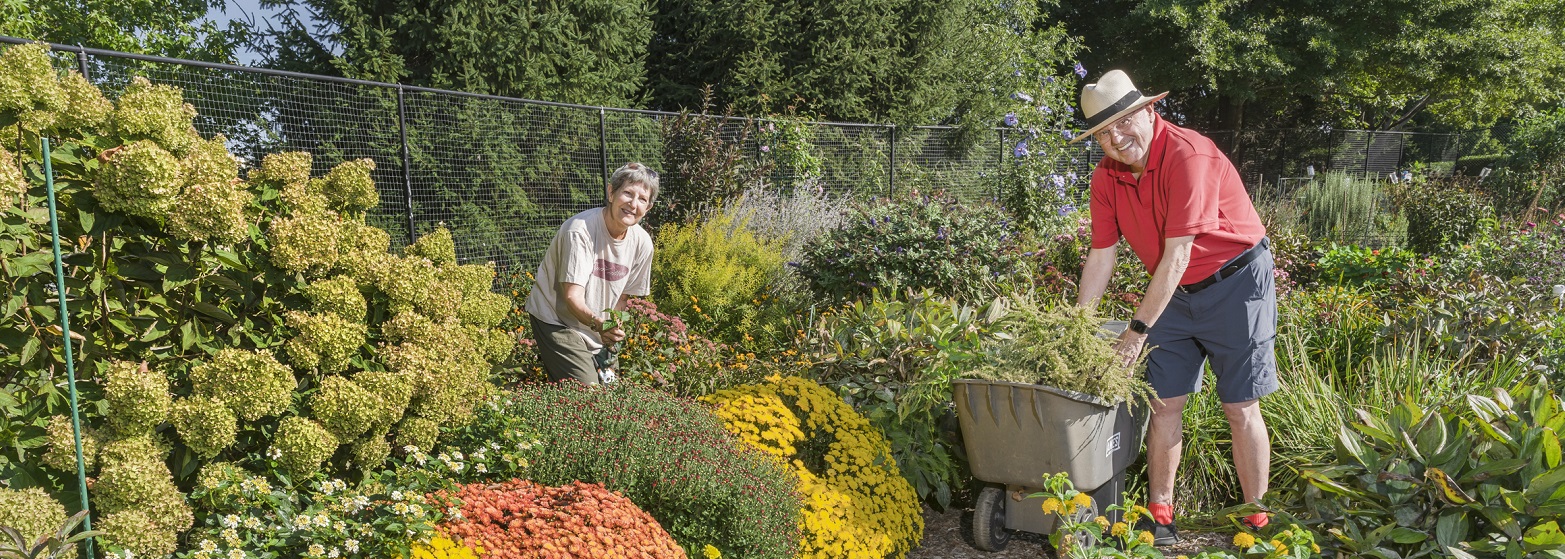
<point x="13" y="183"/>
<point x="349" y="188"/>
<point x="437" y="247"/>
<point x="140" y="178"/>
<point x="393" y="391"/>
<point x="304" y="243"/>
<point x="210" y="212"/>
<point x="138" y="397"/>
<point x="323" y="342"/>
<point x="206" y="425"/>
<point x="252" y="383"/>
<point x="361" y="250"/>
<point x="32" y="513"/>
<point x="62" y="445"/>
<point x="371" y="451"/>
<point x="344" y="408"/>
<point x="143" y="511"/>
<point x="339" y="296"/>
<point x="302" y="445"/>
<point x="86" y="107"/>
<point x="29" y="86"/>
<point x="856" y="502"/>
<point x="417" y="432"/>
<point x="158" y="113"/>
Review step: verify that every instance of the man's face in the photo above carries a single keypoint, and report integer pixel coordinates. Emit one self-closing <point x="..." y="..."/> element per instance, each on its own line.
<point x="1129" y="139"/>
<point x="629" y="204"/>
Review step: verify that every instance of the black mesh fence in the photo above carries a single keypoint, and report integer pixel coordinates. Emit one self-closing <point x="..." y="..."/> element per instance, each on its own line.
<point x="503" y="173"/>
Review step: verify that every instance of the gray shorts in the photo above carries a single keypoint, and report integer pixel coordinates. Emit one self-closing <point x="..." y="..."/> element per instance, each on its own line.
<point x="1232" y="324"/>
<point x="565" y="355"/>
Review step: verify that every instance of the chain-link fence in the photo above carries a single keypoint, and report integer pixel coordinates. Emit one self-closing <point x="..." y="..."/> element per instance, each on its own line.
<point x="503" y="173"/>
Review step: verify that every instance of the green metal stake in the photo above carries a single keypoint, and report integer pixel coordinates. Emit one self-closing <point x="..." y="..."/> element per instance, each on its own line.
<point x="65" y="328"/>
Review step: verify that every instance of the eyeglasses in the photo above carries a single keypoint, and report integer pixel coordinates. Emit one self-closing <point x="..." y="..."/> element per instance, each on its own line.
<point x="1124" y="126"/>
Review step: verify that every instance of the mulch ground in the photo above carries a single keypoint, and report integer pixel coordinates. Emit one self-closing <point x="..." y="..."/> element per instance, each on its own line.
<point x="949" y="535"/>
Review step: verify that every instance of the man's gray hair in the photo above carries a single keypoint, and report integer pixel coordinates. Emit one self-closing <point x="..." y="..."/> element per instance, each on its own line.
<point x="633" y="173"/>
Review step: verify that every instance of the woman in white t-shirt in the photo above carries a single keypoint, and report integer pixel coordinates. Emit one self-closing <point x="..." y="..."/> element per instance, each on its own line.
<point x="598" y="260"/>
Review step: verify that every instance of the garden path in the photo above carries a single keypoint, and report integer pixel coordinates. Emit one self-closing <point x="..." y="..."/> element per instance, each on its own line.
<point x="949" y="535"/>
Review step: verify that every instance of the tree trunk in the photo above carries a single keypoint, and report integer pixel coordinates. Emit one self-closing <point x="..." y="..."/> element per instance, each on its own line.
<point x="1230" y="113"/>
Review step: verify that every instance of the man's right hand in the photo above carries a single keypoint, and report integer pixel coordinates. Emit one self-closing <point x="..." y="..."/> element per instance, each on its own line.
<point x="612" y="335"/>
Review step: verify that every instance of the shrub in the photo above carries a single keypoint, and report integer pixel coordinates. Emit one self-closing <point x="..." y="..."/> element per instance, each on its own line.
<point x="893" y="357"/>
<point x="669" y="456"/>
<point x="1344" y="208"/>
<point x="1054" y="265"/>
<point x="520" y="518"/>
<point x="663" y="352"/>
<point x="705" y="164"/>
<point x="914" y="241"/>
<point x="1532" y="252"/>
<point x="718" y="272"/>
<point x="1440" y="212"/>
<point x="1480" y="478"/>
<point x="856" y="502"/>
<point x="788" y="219"/>
<point x="1356" y="265"/>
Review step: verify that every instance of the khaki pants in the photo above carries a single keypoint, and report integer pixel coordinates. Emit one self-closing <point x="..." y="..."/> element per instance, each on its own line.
<point x="566" y="356"/>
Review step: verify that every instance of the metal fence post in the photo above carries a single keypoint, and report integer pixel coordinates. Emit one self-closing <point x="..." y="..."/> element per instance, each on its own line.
<point x="891" y="176"/>
<point x="603" y="145"/>
<point x="1369" y="140"/>
<point x="65" y="335"/>
<point x="407" y="164"/>
<point x="81" y="62"/>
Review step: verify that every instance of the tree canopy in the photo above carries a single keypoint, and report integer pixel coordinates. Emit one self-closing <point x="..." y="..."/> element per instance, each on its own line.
<point x="177" y="28"/>
<point x="1375" y="63"/>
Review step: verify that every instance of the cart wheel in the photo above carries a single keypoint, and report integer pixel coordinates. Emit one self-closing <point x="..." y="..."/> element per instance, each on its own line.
<point x="1083" y="538"/>
<point x="989" y="533"/>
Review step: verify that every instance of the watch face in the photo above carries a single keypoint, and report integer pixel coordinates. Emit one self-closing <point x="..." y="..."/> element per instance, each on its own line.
<point x="1138" y="326"/>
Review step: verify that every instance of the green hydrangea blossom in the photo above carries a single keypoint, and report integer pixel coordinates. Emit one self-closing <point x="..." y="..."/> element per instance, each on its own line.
<point x="139" y="178"/>
<point x="139" y="532"/>
<point x="417" y="432"/>
<point x="305" y="243"/>
<point x="205" y="424"/>
<point x="324" y="342"/>
<point x="86" y="108"/>
<point x="212" y="212"/>
<point x="362" y="251"/>
<point x="339" y="296"/>
<point x="395" y="390"/>
<point x="344" y="408"/>
<point x="30" y="87"/>
<point x="32" y="513"/>
<point x="371" y="451"/>
<point x="496" y="344"/>
<point x="405" y="281"/>
<point x="436" y="246"/>
<point x="349" y="186"/>
<point x="138" y="397"/>
<point x="158" y="113"/>
<point x="472" y="278"/>
<point x="279" y="169"/>
<point x="484" y="310"/>
<point x="412" y="328"/>
<point x="439" y="300"/>
<point x="303" y="445"/>
<point x="210" y="161"/>
<point x="62" y="446"/>
<point x="252" y="383"/>
<point x="134" y="478"/>
<point x="13" y="184"/>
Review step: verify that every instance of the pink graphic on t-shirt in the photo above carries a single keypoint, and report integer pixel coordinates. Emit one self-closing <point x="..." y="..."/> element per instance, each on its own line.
<point x="609" y="270"/>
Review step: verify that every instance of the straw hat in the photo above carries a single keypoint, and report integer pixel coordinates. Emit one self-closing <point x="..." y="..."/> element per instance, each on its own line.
<point x="1109" y="100"/>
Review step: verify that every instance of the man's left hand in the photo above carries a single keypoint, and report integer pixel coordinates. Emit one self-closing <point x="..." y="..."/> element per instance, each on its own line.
<point x="1129" y="347"/>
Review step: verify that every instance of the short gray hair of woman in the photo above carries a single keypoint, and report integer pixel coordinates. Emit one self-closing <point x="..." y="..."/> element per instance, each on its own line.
<point x="633" y="173"/>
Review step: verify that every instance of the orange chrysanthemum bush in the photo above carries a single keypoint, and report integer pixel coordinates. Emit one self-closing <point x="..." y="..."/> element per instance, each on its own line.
<point x="856" y="502"/>
<point x="521" y="519"/>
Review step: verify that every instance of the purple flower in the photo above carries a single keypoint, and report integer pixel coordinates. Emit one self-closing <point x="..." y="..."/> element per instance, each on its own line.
<point x="1011" y="120"/>
<point x="1088" y="143"/>
<point x="1071" y="176"/>
<point x="1067" y="209"/>
<point x="1023" y="97"/>
<point x="1021" y="149"/>
<point x="1045" y="109"/>
<point x="766" y="149"/>
<point x="1049" y="79"/>
<point x="1081" y="71"/>
<point x="1067" y="134"/>
<point x="942" y="234"/>
<point x="1059" y="181"/>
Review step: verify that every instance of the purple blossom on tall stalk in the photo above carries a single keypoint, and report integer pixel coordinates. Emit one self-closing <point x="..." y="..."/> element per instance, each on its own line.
<point x="1067" y="134"/>
<point x="1059" y="181"/>
<point x="1045" y="109"/>
<point x="1021" y="149"/>
<point x="1081" y="71"/>
<point x="1023" y="97"/>
<point x="1011" y="120"/>
<point x="1067" y="209"/>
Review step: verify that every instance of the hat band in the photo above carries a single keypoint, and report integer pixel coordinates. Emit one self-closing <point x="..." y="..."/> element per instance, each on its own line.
<point x="1120" y="105"/>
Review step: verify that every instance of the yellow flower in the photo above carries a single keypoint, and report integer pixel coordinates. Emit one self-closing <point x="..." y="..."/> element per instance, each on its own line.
<point x="1051" y="505"/>
<point x="1119" y="529"/>
<point x="1243" y="540"/>
<point x="1315" y="548"/>
<point x="1082" y="500"/>
<point x="1276" y="543"/>
<point x="1145" y="537"/>
<point x="711" y="552"/>
<point x="1102" y="521"/>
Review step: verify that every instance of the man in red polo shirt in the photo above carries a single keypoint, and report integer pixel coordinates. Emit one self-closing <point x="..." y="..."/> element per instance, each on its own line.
<point x="1180" y="205"/>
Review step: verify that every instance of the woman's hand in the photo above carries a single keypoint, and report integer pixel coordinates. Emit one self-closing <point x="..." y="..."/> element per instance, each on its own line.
<point x="612" y="336"/>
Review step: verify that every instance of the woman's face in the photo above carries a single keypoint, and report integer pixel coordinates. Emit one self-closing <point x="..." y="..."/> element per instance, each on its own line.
<point x="629" y="204"/>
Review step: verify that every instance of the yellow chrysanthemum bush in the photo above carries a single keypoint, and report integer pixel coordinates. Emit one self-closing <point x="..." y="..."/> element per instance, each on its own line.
<point x="855" y="501"/>
<point x="224" y="311"/>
